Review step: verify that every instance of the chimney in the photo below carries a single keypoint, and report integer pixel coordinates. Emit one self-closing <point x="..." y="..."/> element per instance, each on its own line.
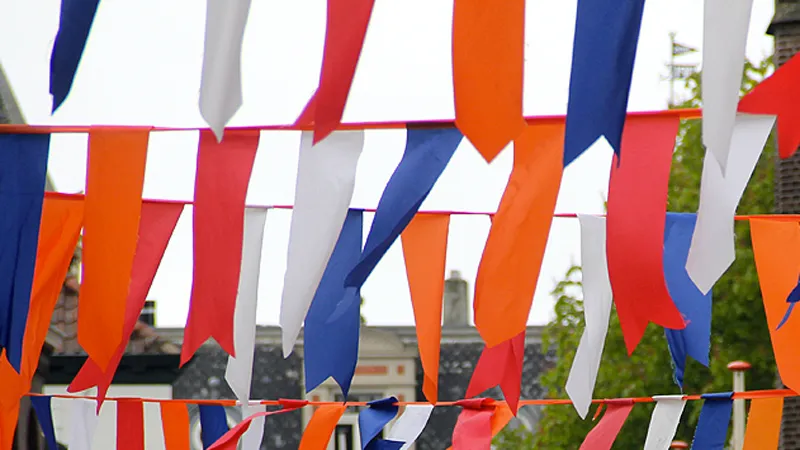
<point x="148" y="314"/>
<point x="456" y="301"/>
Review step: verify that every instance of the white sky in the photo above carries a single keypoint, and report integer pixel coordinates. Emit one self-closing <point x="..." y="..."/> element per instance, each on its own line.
<point x="142" y="67"/>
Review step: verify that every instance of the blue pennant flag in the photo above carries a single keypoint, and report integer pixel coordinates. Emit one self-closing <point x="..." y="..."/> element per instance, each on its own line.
<point x="371" y="421"/>
<point x="712" y="426"/>
<point x="695" y="339"/>
<point x="606" y="35"/>
<point x="44" y="415"/>
<point x="330" y="343"/>
<point x="73" y="31"/>
<point x="428" y="150"/>
<point x="791" y="299"/>
<point x="23" y="159"/>
<point x="213" y="424"/>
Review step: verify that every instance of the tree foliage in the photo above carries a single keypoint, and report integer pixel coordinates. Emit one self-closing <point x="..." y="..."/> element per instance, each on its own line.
<point x="739" y="329"/>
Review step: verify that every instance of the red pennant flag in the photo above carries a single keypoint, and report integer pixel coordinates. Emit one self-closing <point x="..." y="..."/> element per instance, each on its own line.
<point x="321" y="426"/>
<point x="605" y="432"/>
<point x="779" y="95"/>
<point x="488" y="60"/>
<point x="155" y="229"/>
<point x="114" y="181"/>
<point x="306" y="117"/>
<point x="425" y="251"/>
<point x="512" y="258"/>
<point x="130" y="425"/>
<point x="637" y="208"/>
<point x="500" y="365"/>
<point x="480" y="420"/>
<point x="223" y="174"/>
<point x="230" y="440"/>
<point x="344" y="38"/>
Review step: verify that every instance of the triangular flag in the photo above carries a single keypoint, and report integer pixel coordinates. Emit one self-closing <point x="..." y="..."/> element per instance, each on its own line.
<point x="24" y="161"/>
<point x="251" y="439"/>
<point x="74" y="25"/>
<point x="428" y="150"/>
<point x="83" y="423"/>
<point x="326" y="176"/>
<point x="712" y="425"/>
<point x="223" y="174"/>
<point x="410" y="424"/>
<point x="156" y="225"/>
<point x="637" y="208"/>
<point x="763" y="423"/>
<point x="500" y="365"/>
<point x="175" y="425"/>
<point x="779" y="95"/>
<point x="664" y="421"/>
<point x="479" y="421"/>
<point x="321" y="426"/>
<point x="42" y="406"/>
<point x="602" y="69"/>
<point x="213" y="424"/>
<point x="511" y="261"/>
<point x="221" y="82"/>
<point x="371" y="421"/>
<point x="230" y="439"/>
<point x="604" y="434"/>
<point x="488" y="60"/>
<point x="114" y="182"/>
<point x="130" y="424"/>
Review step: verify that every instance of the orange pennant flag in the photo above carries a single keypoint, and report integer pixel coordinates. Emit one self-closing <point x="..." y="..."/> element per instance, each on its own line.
<point x="776" y="247"/>
<point x="9" y="418"/>
<point x="512" y="258"/>
<point x="321" y="426"/>
<point x="114" y="181"/>
<point x="488" y="59"/>
<point x="425" y="251"/>
<point x="175" y="424"/>
<point x="763" y="423"/>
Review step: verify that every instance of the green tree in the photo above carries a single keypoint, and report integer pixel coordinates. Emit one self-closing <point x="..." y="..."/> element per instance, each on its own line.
<point x="739" y="329"/>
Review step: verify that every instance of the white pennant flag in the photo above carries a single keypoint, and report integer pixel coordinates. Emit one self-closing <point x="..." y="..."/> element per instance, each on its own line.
<point x="664" y="421"/>
<point x="239" y="372"/>
<point x="326" y="177"/>
<point x="251" y="439"/>
<point x="221" y="81"/>
<point x="725" y="26"/>
<point x="597" y="301"/>
<point x="712" y="250"/>
<point x="410" y="425"/>
<point x="84" y="423"/>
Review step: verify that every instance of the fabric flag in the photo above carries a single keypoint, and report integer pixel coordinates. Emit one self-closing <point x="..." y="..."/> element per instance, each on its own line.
<point x="130" y="425"/>
<point x="24" y="159"/>
<point x="604" y="434"/>
<point x="713" y="249"/>
<point x="230" y="439"/>
<point x="425" y="252"/>
<point x="346" y="29"/>
<point x="44" y="415"/>
<point x="779" y="95"/>
<point x="776" y="246"/>
<point x="428" y="150"/>
<point x="372" y="419"/>
<point x="114" y="182"/>
<point x="664" y="421"/>
<point x="326" y="176"/>
<point x="695" y="307"/>
<point x="637" y="208"/>
<point x="763" y="423"/>
<point x="511" y="261"/>
<point x="410" y="424"/>
<point x="602" y="69"/>
<point x="83" y="420"/>
<point x="480" y="420"/>
<point x="596" y="310"/>
<point x="725" y="26"/>
<point x="488" y="61"/>
<point x="221" y="82"/>
<point x="223" y="174"/>
<point x="712" y="426"/>
<point x="321" y="426"/>
<point x="213" y="424"/>
<point x="679" y="49"/>
<point x="251" y="439"/>
<point x="330" y="341"/>
<point x="74" y="25"/>
<point x="239" y="372"/>
<point x="156" y="225"/>
<point x="175" y="425"/>
<point x="500" y="365"/>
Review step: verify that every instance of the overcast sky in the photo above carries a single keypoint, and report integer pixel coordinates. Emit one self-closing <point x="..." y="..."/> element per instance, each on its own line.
<point x="142" y="67"/>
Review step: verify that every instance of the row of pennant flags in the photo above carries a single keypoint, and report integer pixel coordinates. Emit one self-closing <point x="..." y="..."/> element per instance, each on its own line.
<point x="479" y="421"/>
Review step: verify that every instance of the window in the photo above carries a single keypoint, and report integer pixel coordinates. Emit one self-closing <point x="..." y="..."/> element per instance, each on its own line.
<point x="343" y="437"/>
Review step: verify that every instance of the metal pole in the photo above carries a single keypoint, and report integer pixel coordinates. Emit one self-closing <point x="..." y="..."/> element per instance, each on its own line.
<point x="671" y="69"/>
<point x="738" y="368"/>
